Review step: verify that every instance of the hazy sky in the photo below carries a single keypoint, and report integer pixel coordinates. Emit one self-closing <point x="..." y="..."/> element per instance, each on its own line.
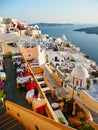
<point x="58" y="11"/>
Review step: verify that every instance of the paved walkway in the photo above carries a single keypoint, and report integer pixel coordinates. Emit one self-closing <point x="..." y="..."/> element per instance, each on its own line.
<point x="12" y="92"/>
<point x="94" y="115"/>
<point x="54" y="83"/>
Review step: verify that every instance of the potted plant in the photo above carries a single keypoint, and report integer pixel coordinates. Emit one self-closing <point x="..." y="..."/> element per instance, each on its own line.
<point x="2" y="97"/>
<point x="88" y="81"/>
<point x="85" y="126"/>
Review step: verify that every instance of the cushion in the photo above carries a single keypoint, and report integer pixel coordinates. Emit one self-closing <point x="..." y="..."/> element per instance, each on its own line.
<point x="41" y="110"/>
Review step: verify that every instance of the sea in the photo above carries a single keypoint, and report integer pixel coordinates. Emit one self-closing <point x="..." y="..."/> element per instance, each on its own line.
<point x="88" y="43"/>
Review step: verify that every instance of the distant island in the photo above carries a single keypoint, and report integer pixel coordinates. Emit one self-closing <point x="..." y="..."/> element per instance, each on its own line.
<point x="90" y="30"/>
<point x="51" y="24"/>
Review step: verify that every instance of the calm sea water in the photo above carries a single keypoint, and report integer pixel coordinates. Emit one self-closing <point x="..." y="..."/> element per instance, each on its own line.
<point x="88" y="43"/>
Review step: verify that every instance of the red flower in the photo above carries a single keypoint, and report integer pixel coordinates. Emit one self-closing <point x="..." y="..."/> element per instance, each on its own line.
<point x="78" y="124"/>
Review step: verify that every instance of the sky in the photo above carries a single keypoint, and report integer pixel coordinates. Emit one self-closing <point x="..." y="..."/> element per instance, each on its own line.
<point x="50" y="11"/>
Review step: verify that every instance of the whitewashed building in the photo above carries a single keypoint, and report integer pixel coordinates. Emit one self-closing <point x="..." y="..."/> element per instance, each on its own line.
<point x="79" y="76"/>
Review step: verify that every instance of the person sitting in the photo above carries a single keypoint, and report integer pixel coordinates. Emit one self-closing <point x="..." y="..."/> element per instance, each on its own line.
<point x="29" y="57"/>
<point x="17" y="63"/>
<point x="20" y="74"/>
<point x="31" y="84"/>
<point x="35" y="96"/>
<point x="24" y="66"/>
<point x="27" y="73"/>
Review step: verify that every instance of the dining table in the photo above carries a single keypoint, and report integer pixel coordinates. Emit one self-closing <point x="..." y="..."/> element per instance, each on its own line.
<point x="29" y="95"/>
<point x="21" y="80"/>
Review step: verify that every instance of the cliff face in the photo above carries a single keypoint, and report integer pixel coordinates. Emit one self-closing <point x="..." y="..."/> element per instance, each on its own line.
<point x="91" y="30"/>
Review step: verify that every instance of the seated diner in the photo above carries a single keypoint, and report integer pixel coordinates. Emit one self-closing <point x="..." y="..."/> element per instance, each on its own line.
<point x="27" y="72"/>
<point x="31" y="84"/>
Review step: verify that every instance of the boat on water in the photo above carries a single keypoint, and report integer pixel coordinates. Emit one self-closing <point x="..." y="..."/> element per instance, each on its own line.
<point x="36" y="55"/>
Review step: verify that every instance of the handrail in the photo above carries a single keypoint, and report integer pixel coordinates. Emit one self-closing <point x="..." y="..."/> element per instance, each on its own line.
<point x="49" y="109"/>
<point x="32" y="120"/>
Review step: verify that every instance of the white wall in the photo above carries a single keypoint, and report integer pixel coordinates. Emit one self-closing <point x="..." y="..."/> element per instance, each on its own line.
<point x="36" y="32"/>
<point x="51" y="57"/>
<point x="1" y="19"/>
<point x="41" y="56"/>
<point x="2" y="28"/>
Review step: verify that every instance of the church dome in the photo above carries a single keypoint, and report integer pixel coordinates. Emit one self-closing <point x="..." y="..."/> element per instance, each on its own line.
<point x="36" y="27"/>
<point x="80" y="72"/>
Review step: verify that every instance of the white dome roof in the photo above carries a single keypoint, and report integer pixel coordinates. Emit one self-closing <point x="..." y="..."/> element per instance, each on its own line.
<point x="80" y="72"/>
<point x="36" y="27"/>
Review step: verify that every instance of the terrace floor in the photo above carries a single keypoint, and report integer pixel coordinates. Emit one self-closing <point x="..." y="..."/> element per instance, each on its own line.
<point x="12" y="92"/>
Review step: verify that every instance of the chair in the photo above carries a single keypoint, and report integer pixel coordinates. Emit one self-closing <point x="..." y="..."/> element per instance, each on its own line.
<point x="41" y="110"/>
<point x="39" y="106"/>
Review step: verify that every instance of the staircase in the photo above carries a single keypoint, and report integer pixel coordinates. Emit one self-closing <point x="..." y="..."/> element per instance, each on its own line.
<point x="7" y="122"/>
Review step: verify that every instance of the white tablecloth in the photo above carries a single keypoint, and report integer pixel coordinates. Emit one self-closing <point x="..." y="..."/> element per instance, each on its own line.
<point x="1" y="67"/>
<point x="19" y="70"/>
<point x="46" y="89"/>
<point x="41" y="82"/>
<point x="23" y="79"/>
<point x="16" y="57"/>
<point x="39" y="76"/>
<point x="29" y="96"/>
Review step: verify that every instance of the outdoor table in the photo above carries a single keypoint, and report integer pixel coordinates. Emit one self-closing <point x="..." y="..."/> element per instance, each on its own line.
<point x="19" y="70"/>
<point x="29" y="95"/>
<point x="16" y="57"/>
<point x="21" y="80"/>
<point x="35" y="63"/>
<point x="46" y="89"/>
<point x="34" y="66"/>
<point x="1" y="67"/>
<point x="39" y="76"/>
<point x="41" y="82"/>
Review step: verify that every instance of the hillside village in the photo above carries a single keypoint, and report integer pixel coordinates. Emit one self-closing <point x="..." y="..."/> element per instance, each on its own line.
<point x="75" y="73"/>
